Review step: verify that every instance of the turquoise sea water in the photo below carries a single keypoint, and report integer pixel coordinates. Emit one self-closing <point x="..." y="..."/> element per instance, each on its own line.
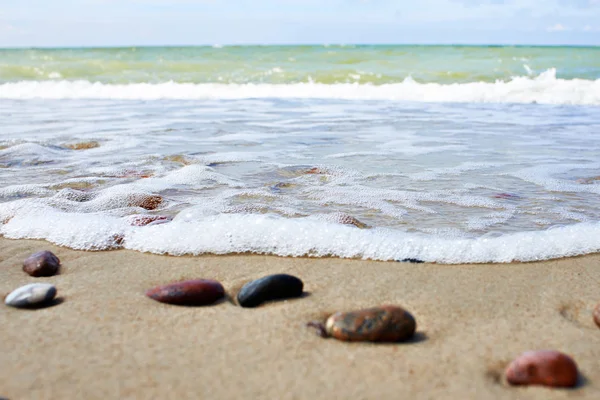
<point x="293" y="64"/>
<point x="443" y="153"/>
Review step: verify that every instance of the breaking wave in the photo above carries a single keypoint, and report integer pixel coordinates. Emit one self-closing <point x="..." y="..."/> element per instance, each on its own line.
<point x="544" y="89"/>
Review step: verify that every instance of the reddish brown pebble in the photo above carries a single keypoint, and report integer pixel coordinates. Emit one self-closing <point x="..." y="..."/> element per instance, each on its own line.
<point x="43" y="263"/>
<point x="596" y="314"/>
<point x="379" y="324"/>
<point x="198" y="292"/>
<point x="148" y="202"/>
<point x="143" y="220"/>
<point x="543" y="367"/>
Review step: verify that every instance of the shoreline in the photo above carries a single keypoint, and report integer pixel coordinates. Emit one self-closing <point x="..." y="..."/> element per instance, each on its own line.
<point x="105" y="339"/>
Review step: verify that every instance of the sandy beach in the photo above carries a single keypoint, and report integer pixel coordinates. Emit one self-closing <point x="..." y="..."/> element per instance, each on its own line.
<point x="106" y="340"/>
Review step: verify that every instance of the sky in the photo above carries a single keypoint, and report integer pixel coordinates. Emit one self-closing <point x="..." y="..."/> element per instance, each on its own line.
<point x="73" y="23"/>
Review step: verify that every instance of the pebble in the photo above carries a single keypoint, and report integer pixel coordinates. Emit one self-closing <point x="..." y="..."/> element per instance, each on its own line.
<point x="345" y="219"/>
<point x="143" y="220"/>
<point x="197" y="292"/>
<point x="315" y="171"/>
<point x="508" y="196"/>
<point x="42" y="263"/>
<point x="543" y="367"/>
<point x="596" y="314"/>
<point x="31" y="295"/>
<point x="588" y="181"/>
<point x="148" y="202"/>
<point x="83" y="145"/>
<point x="412" y="260"/>
<point x="378" y="324"/>
<point x="272" y="287"/>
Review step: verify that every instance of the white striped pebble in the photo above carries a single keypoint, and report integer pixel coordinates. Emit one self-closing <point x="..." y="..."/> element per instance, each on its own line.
<point x="30" y="295"/>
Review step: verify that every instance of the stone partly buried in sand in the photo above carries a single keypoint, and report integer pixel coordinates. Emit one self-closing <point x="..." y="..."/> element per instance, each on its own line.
<point x="32" y="295"/>
<point x="543" y="367"/>
<point x="197" y="292"/>
<point x="42" y="263"/>
<point x="272" y="287"/>
<point x="379" y="324"/>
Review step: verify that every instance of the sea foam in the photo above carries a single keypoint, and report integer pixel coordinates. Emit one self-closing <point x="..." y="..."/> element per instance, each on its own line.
<point x="270" y="234"/>
<point x="544" y="89"/>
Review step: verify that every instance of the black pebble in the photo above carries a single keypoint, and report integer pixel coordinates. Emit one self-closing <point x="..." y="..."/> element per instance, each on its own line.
<point x="413" y="260"/>
<point x="272" y="287"/>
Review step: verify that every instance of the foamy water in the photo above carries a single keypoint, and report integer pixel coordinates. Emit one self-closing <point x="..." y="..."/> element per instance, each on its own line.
<point x="543" y="89"/>
<point x="442" y="171"/>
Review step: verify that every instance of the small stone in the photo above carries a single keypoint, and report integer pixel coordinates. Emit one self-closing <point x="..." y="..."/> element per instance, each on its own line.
<point x="543" y="367"/>
<point x="588" y="181"/>
<point x="412" y="260"/>
<point x="31" y="295"/>
<point x="318" y="171"/>
<point x="143" y="220"/>
<point x="83" y="145"/>
<point x="197" y="292"/>
<point x="378" y="324"/>
<point x="596" y="314"/>
<point x="272" y="287"/>
<point x="508" y="196"/>
<point x="148" y="202"/>
<point x="42" y="263"/>
<point x="342" y="218"/>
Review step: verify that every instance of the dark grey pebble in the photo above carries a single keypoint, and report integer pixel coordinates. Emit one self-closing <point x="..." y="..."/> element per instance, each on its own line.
<point x="42" y="263"/>
<point x="272" y="287"/>
<point x="412" y="260"/>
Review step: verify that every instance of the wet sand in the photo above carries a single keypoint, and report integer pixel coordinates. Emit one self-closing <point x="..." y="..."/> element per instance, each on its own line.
<point x="105" y="340"/>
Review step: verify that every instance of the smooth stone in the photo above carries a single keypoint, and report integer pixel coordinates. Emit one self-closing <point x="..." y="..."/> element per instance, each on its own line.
<point x="42" y="263"/>
<point x="596" y="314"/>
<point x="272" y="287"/>
<point x="144" y="220"/>
<point x="345" y="219"/>
<point x="507" y="196"/>
<point x="378" y="324"/>
<point x="31" y="295"/>
<point x="197" y="292"/>
<point x="83" y="145"/>
<point x="543" y="367"/>
<point x="147" y="202"/>
<point x="412" y="260"/>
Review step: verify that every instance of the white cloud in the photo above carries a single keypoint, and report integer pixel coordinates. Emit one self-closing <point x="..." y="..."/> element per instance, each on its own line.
<point x="557" y="28"/>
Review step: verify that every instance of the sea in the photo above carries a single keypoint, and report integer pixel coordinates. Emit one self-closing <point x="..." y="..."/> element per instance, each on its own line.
<point x="447" y="154"/>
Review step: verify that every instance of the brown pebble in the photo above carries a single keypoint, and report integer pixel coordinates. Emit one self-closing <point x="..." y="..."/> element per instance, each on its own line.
<point x="83" y="145"/>
<point x="379" y="324"/>
<point x="148" y="202"/>
<point x="596" y="314"/>
<point x="543" y="367"/>
<point x="42" y="263"/>
<point x="315" y="171"/>
<point x="143" y="220"/>
<point x="197" y="292"/>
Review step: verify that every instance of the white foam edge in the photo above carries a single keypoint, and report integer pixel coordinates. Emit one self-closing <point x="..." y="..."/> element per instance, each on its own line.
<point x="544" y="89"/>
<point x="270" y="234"/>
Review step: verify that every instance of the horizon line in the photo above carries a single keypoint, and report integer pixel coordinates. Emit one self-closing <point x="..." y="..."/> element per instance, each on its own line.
<point x="218" y="45"/>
